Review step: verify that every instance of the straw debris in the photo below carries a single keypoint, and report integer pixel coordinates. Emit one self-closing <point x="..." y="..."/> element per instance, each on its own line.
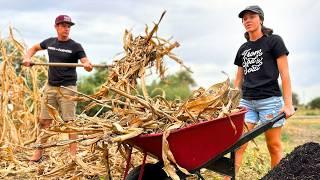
<point x="102" y="140"/>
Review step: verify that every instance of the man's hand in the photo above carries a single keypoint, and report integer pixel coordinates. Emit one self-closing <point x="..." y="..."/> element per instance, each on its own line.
<point x="27" y="57"/>
<point x="26" y="62"/>
<point x="87" y="66"/>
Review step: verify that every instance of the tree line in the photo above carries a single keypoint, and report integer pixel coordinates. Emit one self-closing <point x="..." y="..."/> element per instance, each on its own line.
<point x="175" y="86"/>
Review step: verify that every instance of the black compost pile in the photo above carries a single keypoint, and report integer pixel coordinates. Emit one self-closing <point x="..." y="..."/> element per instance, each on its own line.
<point x="302" y="163"/>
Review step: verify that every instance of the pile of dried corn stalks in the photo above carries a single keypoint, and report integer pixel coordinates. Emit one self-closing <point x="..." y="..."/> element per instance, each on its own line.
<point x="103" y="150"/>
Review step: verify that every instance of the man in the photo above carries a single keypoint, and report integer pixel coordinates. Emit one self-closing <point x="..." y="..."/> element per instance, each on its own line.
<point x="64" y="50"/>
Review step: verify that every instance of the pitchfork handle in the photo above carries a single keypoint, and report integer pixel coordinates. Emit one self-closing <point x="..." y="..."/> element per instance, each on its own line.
<point x="69" y="65"/>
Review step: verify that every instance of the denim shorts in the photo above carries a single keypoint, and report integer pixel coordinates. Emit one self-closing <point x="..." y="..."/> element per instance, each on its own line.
<point x="262" y="110"/>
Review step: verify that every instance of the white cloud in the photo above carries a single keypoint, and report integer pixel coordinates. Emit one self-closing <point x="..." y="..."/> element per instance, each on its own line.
<point x="209" y="31"/>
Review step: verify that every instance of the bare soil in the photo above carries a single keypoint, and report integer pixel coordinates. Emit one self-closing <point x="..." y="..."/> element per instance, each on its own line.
<point x="302" y="163"/>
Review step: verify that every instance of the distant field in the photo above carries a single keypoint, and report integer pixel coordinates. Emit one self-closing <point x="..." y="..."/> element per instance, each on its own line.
<point x="309" y="112"/>
<point x="256" y="160"/>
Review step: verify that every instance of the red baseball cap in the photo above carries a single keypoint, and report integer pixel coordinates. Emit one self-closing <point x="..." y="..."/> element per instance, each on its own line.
<point x="64" y="19"/>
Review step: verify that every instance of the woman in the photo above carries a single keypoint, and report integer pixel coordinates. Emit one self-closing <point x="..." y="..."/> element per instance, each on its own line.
<point x="260" y="60"/>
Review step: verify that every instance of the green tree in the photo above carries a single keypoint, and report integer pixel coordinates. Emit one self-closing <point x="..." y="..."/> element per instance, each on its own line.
<point x="315" y="103"/>
<point x="89" y="85"/>
<point x="295" y="99"/>
<point x="176" y="86"/>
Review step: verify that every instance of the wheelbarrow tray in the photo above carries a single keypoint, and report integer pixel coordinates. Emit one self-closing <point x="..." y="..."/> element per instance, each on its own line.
<point x="194" y="145"/>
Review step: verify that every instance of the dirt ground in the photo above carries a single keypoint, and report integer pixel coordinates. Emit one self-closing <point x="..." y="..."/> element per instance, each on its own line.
<point x="302" y="163"/>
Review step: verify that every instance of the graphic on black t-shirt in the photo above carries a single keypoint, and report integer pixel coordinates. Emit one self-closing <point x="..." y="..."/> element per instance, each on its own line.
<point x="62" y="52"/>
<point x="259" y="62"/>
<point x="60" y="49"/>
<point x="252" y="60"/>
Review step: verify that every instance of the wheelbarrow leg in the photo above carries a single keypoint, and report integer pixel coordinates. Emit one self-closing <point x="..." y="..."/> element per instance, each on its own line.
<point x="224" y="165"/>
<point x="233" y="168"/>
<point x="128" y="163"/>
<point x="142" y="166"/>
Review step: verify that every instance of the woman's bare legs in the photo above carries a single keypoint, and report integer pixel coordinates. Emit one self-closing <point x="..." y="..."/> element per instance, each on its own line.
<point x="240" y="152"/>
<point x="273" y="140"/>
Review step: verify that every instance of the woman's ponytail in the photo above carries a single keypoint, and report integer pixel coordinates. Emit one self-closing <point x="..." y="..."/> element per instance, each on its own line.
<point x="266" y="31"/>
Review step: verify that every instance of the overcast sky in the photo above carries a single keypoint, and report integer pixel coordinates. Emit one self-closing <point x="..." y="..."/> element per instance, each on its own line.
<point x="209" y="31"/>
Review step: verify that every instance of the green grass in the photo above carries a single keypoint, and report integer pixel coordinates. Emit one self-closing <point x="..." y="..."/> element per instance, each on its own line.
<point x="307" y="112"/>
<point x="285" y="137"/>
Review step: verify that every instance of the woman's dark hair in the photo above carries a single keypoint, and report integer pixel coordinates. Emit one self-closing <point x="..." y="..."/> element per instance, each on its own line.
<point x="265" y="30"/>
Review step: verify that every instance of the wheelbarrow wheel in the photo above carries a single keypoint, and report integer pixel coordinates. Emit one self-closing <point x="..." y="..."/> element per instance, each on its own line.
<point x="151" y="171"/>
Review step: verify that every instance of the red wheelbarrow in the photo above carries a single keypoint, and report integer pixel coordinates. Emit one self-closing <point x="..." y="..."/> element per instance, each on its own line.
<point x="201" y="145"/>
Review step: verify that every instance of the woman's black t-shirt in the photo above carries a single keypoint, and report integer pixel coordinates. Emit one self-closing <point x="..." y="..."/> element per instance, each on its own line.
<point x="259" y="61"/>
<point x="62" y="52"/>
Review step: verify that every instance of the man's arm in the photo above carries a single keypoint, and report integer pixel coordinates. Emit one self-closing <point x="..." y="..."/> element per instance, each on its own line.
<point x="86" y="64"/>
<point x="27" y="57"/>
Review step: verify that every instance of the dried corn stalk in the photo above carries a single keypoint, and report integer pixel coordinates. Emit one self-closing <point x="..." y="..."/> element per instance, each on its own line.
<point x="102" y="140"/>
<point x="131" y="115"/>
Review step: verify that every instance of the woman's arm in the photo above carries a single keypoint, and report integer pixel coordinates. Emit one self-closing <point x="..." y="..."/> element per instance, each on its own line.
<point x="239" y="78"/>
<point x="283" y="67"/>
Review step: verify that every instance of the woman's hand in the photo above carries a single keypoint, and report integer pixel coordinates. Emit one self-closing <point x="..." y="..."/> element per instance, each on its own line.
<point x="288" y="110"/>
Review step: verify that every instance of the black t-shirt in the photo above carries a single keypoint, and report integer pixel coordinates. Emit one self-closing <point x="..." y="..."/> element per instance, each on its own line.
<point x="259" y="61"/>
<point x="62" y="52"/>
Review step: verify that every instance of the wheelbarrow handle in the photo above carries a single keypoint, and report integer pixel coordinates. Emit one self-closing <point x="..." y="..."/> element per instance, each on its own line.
<point x="259" y="130"/>
<point x="279" y="117"/>
<point x="248" y="136"/>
